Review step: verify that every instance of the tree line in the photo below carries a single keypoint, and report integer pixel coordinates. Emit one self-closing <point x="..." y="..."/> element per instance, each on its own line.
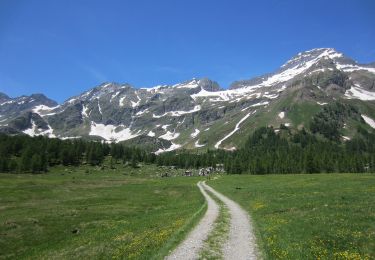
<point x="267" y="152"/>
<point x="23" y="153"/>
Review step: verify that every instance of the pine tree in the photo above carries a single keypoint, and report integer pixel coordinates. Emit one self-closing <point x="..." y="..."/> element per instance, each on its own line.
<point x="134" y="163"/>
<point x="25" y="162"/>
<point x="36" y="163"/>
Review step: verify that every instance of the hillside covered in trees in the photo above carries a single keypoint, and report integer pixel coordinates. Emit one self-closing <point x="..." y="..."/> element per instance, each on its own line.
<point x="267" y="152"/>
<point x="320" y="149"/>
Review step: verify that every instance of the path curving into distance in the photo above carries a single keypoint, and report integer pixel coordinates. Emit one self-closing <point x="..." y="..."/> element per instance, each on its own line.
<point x="191" y="246"/>
<point x="241" y="243"/>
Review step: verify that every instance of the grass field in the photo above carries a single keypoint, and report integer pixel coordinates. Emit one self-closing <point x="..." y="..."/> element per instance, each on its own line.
<point x="115" y="214"/>
<point x="308" y="216"/>
<point x="134" y="214"/>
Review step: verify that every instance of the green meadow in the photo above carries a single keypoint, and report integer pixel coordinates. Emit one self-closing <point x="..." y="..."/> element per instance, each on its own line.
<point x="91" y="213"/>
<point x="316" y="216"/>
<point x="127" y="213"/>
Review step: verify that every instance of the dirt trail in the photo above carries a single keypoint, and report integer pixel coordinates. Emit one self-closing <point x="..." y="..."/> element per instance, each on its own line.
<point x="241" y="242"/>
<point x="190" y="247"/>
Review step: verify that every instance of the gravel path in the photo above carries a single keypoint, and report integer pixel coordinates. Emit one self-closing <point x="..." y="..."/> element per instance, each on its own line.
<point x="241" y="243"/>
<point x="190" y="247"/>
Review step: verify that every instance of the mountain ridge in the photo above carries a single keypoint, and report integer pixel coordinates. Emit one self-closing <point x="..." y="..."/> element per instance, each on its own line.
<point x="198" y="113"/>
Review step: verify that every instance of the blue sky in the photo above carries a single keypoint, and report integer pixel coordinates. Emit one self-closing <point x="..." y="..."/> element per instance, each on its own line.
<point x="61" y="48"/>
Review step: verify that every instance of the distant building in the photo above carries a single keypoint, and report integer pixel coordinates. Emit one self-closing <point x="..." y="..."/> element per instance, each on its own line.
<point x="188" y="173"/>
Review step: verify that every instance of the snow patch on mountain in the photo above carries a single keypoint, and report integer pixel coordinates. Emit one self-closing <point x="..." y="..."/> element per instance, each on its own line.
<point x="48" y="132"/>
<point x="357" y="92"/>
<point x="42" y="108"/>
<point x="71" y="101"/>
<point x="169" y="136"/>
<point x="32" y="130"/>
<point x="192" y="84"/>
<point x="121" y="101"/>
<point x="197" y="145"/>
<point x="152" y="134"/>
<point x="114" y="96"/>
<point x="369" y="121"/>
<point x="171" y="148"/>
<point x="224" y="95"/>
<point x="264" y="103"/>
<point x="139" y="113"/>
<point x="8" y="102"/>
<point x="135" y="104"/>
<point x="100" y="108"/>
<point x="237" y="127"/>
<point x="52" y="113"/>
<point x="84" y="111"/>
<point x="69" y="137"/>
<point x="111" y="132"/>
<point x="154" y="89"/>
<point x="35" y="131"/>
<point x="178" y="113"/>
<point x="195" y="133"/>
<point x="235" y="95"/>
<point x="164" y="127"/>
<point x="319" y="70"/>
<point x="106" y="85"/>
<point x="351" y="68"/>
<point x="271" y="96"/>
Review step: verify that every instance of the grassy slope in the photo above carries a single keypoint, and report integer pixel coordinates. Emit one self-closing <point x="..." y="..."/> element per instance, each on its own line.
<point x="116" y="215"/>
<point x="297" y="113"/>
<point x="308" y="216"/>
<point x="217" y="130"/>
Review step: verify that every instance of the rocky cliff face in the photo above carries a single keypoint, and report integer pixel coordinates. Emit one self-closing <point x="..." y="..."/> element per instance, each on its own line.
<point x="198" y="113"/>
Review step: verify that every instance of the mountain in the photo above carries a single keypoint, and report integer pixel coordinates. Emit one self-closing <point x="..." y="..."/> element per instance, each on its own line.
<point x="18" y="114"/>
<point x="199" y="114"/>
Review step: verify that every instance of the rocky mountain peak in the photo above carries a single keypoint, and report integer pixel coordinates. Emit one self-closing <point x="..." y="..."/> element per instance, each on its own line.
<point x="103" y="90"/>
<point x="315" y="55"/>
<point x="4" y="97"/>
<point x="209" y="85"/>
<point x="299" y="65"/>
<point x="43" y="100"/>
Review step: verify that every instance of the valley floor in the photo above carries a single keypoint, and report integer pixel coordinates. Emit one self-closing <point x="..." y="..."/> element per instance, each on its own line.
<point x="130" y="213"/>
